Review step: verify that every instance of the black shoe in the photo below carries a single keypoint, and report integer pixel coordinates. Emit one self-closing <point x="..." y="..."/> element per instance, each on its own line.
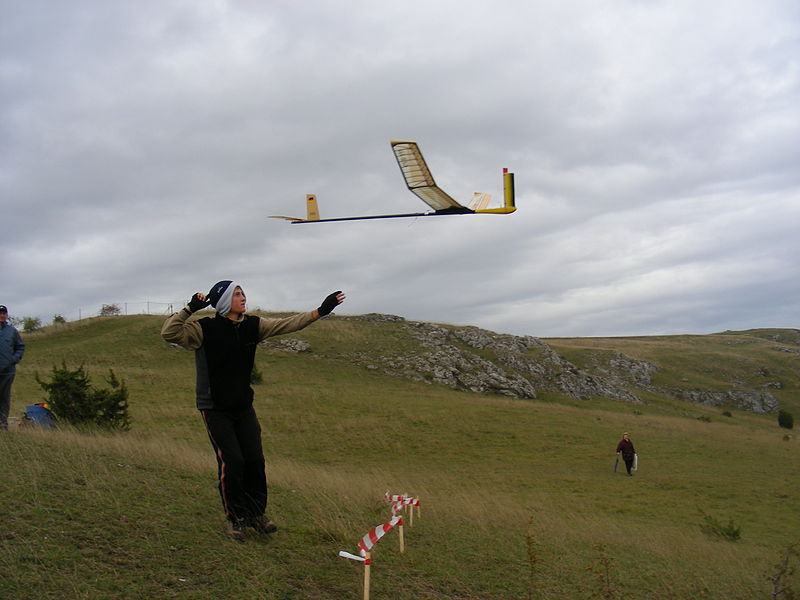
<point x="262" y="524"/>
<point x="235" y="531"/>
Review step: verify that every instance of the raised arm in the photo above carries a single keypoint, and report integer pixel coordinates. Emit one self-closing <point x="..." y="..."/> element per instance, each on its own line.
<point x="176" y="329"/>
<point x="269" y="327"/>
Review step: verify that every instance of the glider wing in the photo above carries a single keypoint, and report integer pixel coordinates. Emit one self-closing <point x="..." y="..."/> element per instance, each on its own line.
<point x="419" y="179"/>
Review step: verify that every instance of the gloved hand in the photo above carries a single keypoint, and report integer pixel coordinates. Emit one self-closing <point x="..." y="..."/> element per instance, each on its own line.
<point x="331" y="302"/>
<point x="198" y="302"/>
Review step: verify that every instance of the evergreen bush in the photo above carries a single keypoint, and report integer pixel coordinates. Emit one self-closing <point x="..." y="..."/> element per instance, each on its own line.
<point x="731" y="531"/>
<point x="111" y="405"/>
<point x="73" y="400"/>
<point x="785" y="419"/>
<point x="31" y="324"/>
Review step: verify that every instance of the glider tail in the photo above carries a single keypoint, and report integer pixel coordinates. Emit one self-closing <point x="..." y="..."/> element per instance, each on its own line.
<point x="508" y="190"/>
<point x="312" y="212"/>
<point x="509" y="200"/>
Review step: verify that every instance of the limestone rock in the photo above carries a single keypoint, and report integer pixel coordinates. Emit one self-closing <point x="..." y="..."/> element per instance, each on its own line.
<point x="287" y="345"/>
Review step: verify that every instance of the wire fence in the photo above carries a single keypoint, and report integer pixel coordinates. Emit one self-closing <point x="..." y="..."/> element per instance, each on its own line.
<point x="142" y="307"/>
<point x="145" y="307"/>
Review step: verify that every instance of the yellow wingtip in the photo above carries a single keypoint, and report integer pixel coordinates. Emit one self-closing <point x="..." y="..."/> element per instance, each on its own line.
<point x="506" y="210"/>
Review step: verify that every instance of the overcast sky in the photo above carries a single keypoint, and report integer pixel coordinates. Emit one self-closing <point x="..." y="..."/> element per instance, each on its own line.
<point x="656" y="149"/>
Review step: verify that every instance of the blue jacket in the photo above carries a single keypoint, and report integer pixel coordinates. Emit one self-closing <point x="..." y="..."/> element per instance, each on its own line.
<point x="11" y="349"/>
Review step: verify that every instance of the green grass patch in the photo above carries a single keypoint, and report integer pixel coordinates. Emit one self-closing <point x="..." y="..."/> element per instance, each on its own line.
<point x="137" y="515"/>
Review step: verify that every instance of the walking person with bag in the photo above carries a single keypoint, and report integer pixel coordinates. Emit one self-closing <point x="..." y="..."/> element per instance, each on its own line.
<point x="626" y="449"/>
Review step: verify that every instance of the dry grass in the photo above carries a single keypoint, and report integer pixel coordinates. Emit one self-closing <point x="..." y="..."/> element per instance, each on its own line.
<point x="492" y="474"/>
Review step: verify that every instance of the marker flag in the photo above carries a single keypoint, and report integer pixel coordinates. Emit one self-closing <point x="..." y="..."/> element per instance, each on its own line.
<point x="344" y="554"/>
<point x="406" y="500"/>
<point x="376" y="533"/>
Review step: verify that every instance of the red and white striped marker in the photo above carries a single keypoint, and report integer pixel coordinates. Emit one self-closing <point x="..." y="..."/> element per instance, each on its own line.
<point x="406" y="500"/>
<point x="399" y="501"/>
<point x="371" y="538"/>
<point x="373" y="535"/>
<point x="368" y="542"/>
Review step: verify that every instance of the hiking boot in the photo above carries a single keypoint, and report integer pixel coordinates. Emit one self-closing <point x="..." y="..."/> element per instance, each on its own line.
<point x="235" y="531"/>
<point x="262" y="524"/>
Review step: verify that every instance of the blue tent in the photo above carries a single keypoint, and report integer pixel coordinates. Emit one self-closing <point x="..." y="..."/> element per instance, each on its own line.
<point x="40" y="415"/>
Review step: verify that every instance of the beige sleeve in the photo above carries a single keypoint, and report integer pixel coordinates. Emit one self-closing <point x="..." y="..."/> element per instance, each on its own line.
<point x="177" y="330"/>
<point x="268" y="327"/>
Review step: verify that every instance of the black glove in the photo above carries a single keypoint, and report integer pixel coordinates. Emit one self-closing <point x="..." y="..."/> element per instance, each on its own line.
<point x="329" y="304"/>
<point x="196" y="304"/>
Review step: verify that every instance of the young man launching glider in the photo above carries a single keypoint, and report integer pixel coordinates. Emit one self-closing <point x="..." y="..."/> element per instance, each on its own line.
<point x="225" y="348"/>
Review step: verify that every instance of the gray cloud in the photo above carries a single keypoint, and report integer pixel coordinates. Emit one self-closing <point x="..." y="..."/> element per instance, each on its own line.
<point x="654" y="144"/>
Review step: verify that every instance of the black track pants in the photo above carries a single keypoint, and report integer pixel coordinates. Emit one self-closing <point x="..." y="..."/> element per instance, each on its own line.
<point x="628" y="464"/>
<point x="236" y="438"/>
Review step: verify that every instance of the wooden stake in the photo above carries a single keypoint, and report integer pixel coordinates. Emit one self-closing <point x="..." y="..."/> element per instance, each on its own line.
<point x="402" y="540"/>
<point x="367" y="564"/>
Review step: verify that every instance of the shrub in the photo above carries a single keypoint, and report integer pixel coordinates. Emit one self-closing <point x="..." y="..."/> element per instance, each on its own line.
<point x="67" y="393"/>
<point x="58" y="320"/>
<point x="603" y="571"/>
<point x="781" y="584"/>
<point x="731" y="531"/>
<point x="110" y="310"/>
<point x="726" y="413"/>
<point x="533" y="559"/>
<point x="30" y="324"/>
<point x="72" y="399"/>
<point x="785" y="419"/>
<point x="111" y="405"/>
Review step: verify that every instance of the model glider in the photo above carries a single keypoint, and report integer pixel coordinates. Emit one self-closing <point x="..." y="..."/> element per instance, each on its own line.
<point x="420" y="181"/>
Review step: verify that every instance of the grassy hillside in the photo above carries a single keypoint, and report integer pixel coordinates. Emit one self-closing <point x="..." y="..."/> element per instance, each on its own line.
<point x="755" y="359"/>
<point x="519" y="498"/>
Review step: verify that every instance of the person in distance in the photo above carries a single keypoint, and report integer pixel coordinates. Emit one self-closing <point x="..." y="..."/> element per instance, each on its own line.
<point x="626" y="449"/>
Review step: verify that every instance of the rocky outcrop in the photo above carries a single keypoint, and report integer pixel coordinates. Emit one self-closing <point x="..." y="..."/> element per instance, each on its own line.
<point x="478" y="360"/>
<point x="621" y="371"/>
<point x="751" y="400"/>
<point x="287" y="344"/>
<point x="380" y="318"/>
<point x="787" y="350"/>
<point x="483" y="361"/>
